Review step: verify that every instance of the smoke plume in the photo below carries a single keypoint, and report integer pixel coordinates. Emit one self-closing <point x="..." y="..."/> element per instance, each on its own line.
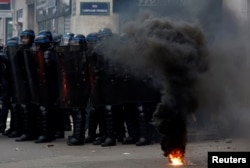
<point x="176" y="53"/>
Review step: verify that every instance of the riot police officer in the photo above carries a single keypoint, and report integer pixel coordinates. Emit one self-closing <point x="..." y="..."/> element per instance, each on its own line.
<point x="65" y="41"/>
<point x="55" y="40"/>
<point x="79" y="114"/>
<point x="28" y="109"/>
<point x="105" y="90"/>
<point x="46" y="85"/>
<point x="21" y="110"/>
<point x="139" y="98"/>
<point x="11" y="44"/>
<point x="96" y="114"/>
<point x="74" y="85"/>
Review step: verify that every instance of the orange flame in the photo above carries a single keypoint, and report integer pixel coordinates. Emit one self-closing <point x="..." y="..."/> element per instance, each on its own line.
<point x="176" y="157"/>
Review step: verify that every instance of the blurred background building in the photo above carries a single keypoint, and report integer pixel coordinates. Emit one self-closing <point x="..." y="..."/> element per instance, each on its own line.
<point x="5" y="20"/>
<point x="85" y="16"/>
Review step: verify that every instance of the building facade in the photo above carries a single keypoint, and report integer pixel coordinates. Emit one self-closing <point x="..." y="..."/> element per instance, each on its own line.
<point x="53" y="15"/>
<point x="5" y="20"/>
<point x="240" y="10"/>
<point x="86" y="16"/>
<point x="90" y="16"/>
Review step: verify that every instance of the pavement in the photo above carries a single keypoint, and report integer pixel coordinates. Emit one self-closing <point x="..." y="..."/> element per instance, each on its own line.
<point x="58" y="154"/>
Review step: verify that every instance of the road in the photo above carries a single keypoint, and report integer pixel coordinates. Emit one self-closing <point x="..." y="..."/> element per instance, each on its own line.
<point x="58" y="154"/>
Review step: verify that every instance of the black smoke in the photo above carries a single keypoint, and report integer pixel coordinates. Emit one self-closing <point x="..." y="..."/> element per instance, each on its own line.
<point x="176" y="52"/>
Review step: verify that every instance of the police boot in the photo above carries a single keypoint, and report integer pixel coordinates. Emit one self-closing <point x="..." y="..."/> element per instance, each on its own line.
<point x="131" y="121"/>
<point x="144" y="130"/>
<point x="101" y="115"/>
<point x="27" y="134"/>
<point x="3" y="116"/>
<point x="77" y="138"/>
<point x="45" y="135"/>
<point x="59" y="125"/>
<point x="92" y="126"/>
<point x="102" y="134"/>
<point x="15" y="123"/>
<point x="132" y="132"/>
<point x="110" y="139"/>
<point x="120" y="129"/>
<point x="66" y="120"/>
<point x="2" y="124"/>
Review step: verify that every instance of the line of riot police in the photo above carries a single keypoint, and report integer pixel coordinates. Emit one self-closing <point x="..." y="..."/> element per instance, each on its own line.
<point x="55" y="78"/>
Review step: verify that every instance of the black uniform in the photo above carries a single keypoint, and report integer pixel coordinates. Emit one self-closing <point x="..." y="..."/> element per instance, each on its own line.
<point x="20" y="95"/>
<point x="65" y="41"/>
<point x="41" y="67"/>
<point x="105" y="97"/>
<point x="74" y="85"/>
<point x="4" y="90"/>
<point x="140" y="99"/>
<point x="96" y="112"/>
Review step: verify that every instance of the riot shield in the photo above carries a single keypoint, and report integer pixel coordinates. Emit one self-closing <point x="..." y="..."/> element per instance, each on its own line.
<point x="3" y="77"/>
<point x="73" y="77"/>
<point x="35" y="70"/>
<point x="20" y="90"/>
<point x="109" y="83"/>
<point x="103" y="73"/>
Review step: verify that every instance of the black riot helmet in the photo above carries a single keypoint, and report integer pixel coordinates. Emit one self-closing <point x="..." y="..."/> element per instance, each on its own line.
<point x="66" y="39"/>
<point x="11" y="43"/>
<point x="105" y="33"/>
<point x="42" y="41"/>
<point x="27" y="33"/>
<point x="46" y="33"/>
<point x="92" y="37"/>
<point x="79" y="39"/>
<point x="15" y="38"/>
<point x="56" y="38"/>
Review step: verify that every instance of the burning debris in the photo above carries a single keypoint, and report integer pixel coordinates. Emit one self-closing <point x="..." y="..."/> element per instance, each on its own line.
<point x="176" y="157"/>
<point x="176" y="52"/>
